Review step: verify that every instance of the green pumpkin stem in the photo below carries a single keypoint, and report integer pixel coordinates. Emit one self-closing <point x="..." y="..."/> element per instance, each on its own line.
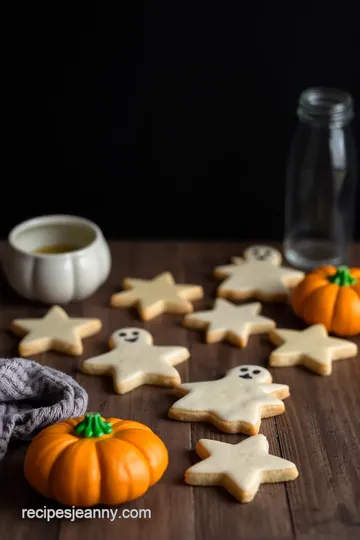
<point x="342" y="277"/>
<point x="93" y="426"/>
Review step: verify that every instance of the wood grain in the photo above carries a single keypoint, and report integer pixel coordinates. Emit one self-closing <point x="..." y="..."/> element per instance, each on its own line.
<point x="320" y="430"/>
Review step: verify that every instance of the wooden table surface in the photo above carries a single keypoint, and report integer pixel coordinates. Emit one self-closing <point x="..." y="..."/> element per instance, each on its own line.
<point x="319" y="431"/>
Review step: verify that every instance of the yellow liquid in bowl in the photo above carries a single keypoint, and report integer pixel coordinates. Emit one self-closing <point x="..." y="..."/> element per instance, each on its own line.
<point x="56" y="248"/>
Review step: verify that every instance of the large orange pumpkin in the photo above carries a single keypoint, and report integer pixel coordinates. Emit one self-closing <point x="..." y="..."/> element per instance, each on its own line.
<point x="330" y="296"/>
<point x="90" y="460"/>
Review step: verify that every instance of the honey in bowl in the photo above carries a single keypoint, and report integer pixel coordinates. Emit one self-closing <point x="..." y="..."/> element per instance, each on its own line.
<point x="56" y="248"/>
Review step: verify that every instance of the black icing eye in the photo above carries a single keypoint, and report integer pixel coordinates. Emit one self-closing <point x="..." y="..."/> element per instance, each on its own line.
<point x="135" y="333"/>
<point x="243" y="369"/>
<point x="256" y="371"/>
<point x="122" y="334"/>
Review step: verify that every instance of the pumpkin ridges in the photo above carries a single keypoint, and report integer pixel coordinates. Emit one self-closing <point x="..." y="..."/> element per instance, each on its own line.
<point x="319" y="305"/>
<point x="154" y="451"/>
<point x="75" y="478"/>
<point x="300" y="293"/>
<point x="356" y="287"/>
<point x="324" y="271"/>
<point x="39" y="461"/>
<point x="121" y="425"/>
<point x="113" y="421"/>
<point x="62" y="428"/>
<point x="346" y="318"/>
<point x="95" y="464"/>
<point x="355" y="272"/>
<point x="122" y="481"/>
<point x="331" y="296"/>
<point x="74" y="421"/>
<point x="111" y="478"/>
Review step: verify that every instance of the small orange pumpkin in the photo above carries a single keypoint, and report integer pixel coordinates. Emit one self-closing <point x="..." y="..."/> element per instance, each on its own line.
<point x="90" y="460"/>
<point x="330" y="296"/>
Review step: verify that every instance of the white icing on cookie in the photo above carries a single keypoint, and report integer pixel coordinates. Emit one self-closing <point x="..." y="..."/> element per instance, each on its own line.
<point x="135" y="336"/>
<point x="248" y="278"/>
<point x="263" y="253"/>
<point x="257" y="374"/>
<point x="55" y="331"/>
<point x="311" y="347"/>
<point x="135" y="361"/>
<point x="158" y="295"/>
<point x="231" y="322"/>
<point x="240" y="468"/>
<point x="244" y="396"/>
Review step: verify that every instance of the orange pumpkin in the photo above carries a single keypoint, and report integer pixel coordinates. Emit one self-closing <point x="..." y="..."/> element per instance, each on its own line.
<point x="90" y="460"/>
<point x="330" y="296"/>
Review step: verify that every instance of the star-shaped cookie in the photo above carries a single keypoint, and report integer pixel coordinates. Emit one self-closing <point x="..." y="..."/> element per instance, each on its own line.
<point x="234" y="404"/>
<point x="240" y="468"/>
<point x="155" y="296"/>
<point x="312" y="348"/>
<point x="230" y="322"/>
<point x="55" y="331"/>
<point x="135" y="361"/>
<point x="258" y="275"/>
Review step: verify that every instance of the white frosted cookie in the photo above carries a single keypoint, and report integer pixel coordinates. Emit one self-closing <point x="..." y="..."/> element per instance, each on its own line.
<point x="135" y="361"/>
<point x="234" y="404"/>
<point x="240" y="468"/>
<point x="229" y="322"/>
<point x="312" y="348"/>
<point x="155" y="296"/>
<point x="55" y="331"/>
<point x="257" y="275"/>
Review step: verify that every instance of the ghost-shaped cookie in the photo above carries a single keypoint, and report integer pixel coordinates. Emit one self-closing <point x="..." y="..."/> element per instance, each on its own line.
<point x="234" y="404"/>
<point x="134" y="361"/>
<point x="259" y="275"/>
<point x="263" y="253"/>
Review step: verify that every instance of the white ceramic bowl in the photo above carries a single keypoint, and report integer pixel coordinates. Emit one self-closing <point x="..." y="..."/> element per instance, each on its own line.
<point x="56" y="278"/>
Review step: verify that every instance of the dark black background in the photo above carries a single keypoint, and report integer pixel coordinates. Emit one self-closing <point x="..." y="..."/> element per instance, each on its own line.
<point x="168" y="119"/>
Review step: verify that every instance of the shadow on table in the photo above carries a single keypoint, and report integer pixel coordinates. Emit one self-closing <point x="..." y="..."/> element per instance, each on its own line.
<point x="17" y="494"/>
<point x="8" y="297"/>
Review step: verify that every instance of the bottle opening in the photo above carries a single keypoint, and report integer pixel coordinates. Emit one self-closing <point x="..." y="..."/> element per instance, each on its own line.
<point x="326" y="107"/>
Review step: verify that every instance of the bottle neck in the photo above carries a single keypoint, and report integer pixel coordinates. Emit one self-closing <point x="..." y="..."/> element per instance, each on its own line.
<point x="325" y="107"/>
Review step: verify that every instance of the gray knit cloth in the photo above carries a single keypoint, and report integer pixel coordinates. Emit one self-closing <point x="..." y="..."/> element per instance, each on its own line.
<point x="32" y="397"/>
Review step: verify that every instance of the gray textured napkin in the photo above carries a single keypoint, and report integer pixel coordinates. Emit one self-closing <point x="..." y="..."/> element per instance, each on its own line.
<point x="32" y="397"/>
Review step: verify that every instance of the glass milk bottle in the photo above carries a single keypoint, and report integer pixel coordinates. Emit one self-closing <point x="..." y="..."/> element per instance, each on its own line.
<point x="321" y="181"/>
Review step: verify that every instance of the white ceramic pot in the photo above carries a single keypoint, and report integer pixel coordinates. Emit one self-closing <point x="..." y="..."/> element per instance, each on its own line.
<point x="56" y="278"/>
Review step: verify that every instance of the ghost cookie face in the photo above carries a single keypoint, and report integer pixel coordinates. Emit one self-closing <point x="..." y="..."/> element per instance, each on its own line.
<point x="234" y="404"/>
<point x="252" y="373"/>
<point x="134" y="361"/>
<point x="125" y="336"/>
<point x="263" y="253"/>
<point x="257" y="275"/>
